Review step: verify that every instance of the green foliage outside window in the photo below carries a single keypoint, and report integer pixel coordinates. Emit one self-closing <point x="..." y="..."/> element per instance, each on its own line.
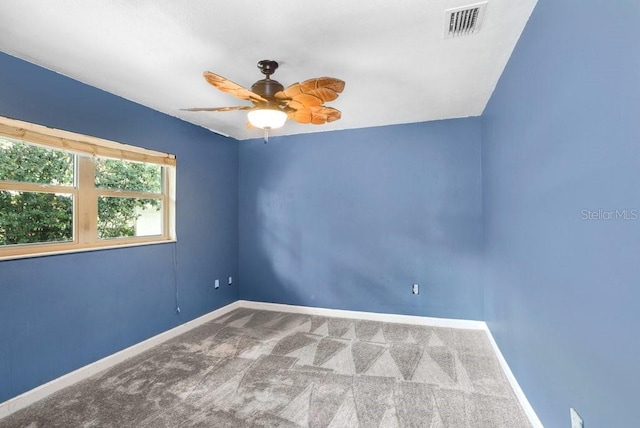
<point x="31" y="217"/>
<point x="116" y="216"/>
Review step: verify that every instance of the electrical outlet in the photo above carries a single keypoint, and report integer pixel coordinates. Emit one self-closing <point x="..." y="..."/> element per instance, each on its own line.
<point x="216" y="284"/>
<point x="576" y="420"/>
<point x="230" y="280"/>
<point x="415" y="289"/>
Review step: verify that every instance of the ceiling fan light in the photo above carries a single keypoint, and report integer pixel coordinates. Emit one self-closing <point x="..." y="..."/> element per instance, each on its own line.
<point x="267" y="118"/>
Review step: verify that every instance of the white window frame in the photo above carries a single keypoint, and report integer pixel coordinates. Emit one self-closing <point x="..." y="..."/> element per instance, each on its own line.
<point x="85" y="194"/>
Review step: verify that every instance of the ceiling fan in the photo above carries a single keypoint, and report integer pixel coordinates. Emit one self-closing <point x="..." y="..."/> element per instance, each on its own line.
<point x="273" y="104"/>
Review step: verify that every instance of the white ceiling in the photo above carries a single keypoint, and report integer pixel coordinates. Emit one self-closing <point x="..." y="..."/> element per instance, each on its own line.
<point x="397" y="65"/>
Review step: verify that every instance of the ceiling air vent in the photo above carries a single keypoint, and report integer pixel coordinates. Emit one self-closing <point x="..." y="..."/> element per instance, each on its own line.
<point x="463" y="21"/>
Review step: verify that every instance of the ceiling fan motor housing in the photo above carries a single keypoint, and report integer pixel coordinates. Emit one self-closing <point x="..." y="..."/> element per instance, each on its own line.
<point x="267" y="88"/>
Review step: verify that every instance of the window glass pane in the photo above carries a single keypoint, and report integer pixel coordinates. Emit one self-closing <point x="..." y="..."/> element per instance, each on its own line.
<point x="27" y="163"/>
<point x="122" y="217"/>
<point x="31" y="217"/>
<point x="115" y="174"/>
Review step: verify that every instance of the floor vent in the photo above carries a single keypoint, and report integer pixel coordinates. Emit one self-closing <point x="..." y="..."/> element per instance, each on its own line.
<point x="463" y="21"/>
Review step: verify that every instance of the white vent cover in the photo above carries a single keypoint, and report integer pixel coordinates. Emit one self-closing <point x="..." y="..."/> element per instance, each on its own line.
<point x="463" y="21"/>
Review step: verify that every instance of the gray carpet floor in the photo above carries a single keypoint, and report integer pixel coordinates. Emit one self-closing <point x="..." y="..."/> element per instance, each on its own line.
<point x="253" y="368"/>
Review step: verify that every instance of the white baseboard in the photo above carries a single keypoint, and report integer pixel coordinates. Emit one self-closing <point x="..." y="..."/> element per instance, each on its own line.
<point x="23" y="400"/>
<point x="369" y="316"/>
<point x="409" y="319"/>
<point x="42" y="391"/>
<point x="526" y="406"/>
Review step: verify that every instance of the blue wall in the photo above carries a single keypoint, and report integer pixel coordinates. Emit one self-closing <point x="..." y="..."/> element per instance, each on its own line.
<point x="351" y="219"/>
<point x="59" y="313"/>
<point x="561" y="135"/>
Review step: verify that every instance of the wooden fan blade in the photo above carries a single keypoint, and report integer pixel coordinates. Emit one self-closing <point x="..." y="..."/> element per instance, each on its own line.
<point x="304" y="100"/>
<point x="226" y="85"/>
<point x="218" y="108"/>
<point x="312" y="92"/>
<point x="316" y="115"/>
<point x="323" y="85"/>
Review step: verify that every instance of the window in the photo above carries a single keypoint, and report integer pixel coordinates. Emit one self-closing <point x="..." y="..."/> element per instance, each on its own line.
<point x="61" y="191"/>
